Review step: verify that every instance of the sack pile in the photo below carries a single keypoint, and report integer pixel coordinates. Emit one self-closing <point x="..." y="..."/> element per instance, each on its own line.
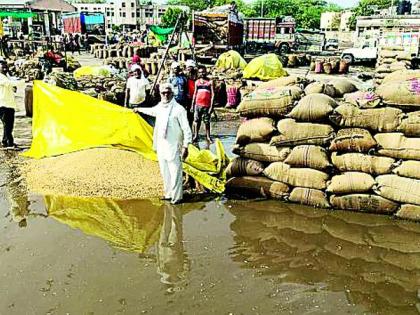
<point x="329" y="66"/>
<point x="121" y="50"/>
<point x="308" y="146"/>
<point x="391" y="59"/>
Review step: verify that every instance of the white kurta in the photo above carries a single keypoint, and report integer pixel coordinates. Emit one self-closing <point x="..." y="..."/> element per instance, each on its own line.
<point x="171" y="133"/>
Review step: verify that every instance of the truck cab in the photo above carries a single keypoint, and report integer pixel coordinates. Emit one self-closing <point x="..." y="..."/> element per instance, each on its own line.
<point x="367" y="52"/>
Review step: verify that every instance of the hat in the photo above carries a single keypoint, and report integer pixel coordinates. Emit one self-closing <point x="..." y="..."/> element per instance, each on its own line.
<point x="174" y="65"/>
<point x="190" y="63"/>
<point x="135" y="67"/>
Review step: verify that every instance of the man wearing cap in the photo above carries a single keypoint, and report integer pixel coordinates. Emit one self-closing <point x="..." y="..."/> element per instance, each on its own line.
<point x="179" y="83"/>
<point x="135" y="94"/>
<point x="171" y="137"/>
<point x="7" y="104"/>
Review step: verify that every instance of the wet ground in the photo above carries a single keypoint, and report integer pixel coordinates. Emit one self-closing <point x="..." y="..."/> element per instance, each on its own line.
<point x="68" y="255"/>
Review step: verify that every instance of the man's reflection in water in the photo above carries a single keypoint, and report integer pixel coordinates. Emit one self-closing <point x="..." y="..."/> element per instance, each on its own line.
<point x="171" y="258"/>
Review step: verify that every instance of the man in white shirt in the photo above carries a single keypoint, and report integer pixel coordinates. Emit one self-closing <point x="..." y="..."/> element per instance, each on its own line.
<point x="171" y="137"/>
<point x="7" y="105"/>
<point x="136" y="88"/>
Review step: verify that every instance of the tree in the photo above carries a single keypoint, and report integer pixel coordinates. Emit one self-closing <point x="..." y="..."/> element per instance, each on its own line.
<point x="366" y="7"/>
<point x="170" y="17"/>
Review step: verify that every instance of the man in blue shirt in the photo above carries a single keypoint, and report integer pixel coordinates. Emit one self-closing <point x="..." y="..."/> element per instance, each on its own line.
<point x="179" y="83"/>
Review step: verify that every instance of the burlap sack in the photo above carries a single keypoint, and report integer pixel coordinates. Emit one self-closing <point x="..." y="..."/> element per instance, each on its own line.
<point x="402" y="55"/>
<point x="383" y="69"/>
<point x="350" y="182"/>
<point x="342" y="86"/>
<point x="272" y="102"/>
<point x="244" y="167"/>
<point x="398" y="146"/>
<point x="379" y="119"/>
<point x="257" y="186"/>
<point x="402" y="75"/>
<point x="388" y="53"/>
<point x="401" y="93"/>
<point x="387" y="61"/>
<point x="319" y="87"/>
<point x="353" y="140"/>
<point x="410" y="124"/>
<point x="310" y="156"/>
<point x="310" y="197"/>
<point x="358" y="162"/>
<point x="300" y="177"/>
<point x="283" y="81"/>
<point x="409" y="212"/>
<point x="399" y="65"/>
<point x="313" y="107"/>
<point x="293" y="133"/>
<point x="363" y="203"/>
<point x="262" y="152"/>
<point x="363" y="99"/>
<point x="255" y="130"/>
<point x="408" y="169"/>
<point x="399" y="189"/>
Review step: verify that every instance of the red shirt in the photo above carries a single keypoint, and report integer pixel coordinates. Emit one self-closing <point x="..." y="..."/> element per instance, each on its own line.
<point x="203" y="93"/>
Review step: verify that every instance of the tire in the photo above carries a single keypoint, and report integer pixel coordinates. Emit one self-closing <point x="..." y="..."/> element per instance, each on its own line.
<point x="284" y="49"/>
<point x="349" y="58"/>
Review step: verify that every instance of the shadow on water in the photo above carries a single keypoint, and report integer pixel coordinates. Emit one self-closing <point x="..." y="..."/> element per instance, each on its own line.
<point x="374" y="259"/>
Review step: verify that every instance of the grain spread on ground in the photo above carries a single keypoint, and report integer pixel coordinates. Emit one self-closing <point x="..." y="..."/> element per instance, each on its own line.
<point x="101" y="172"/>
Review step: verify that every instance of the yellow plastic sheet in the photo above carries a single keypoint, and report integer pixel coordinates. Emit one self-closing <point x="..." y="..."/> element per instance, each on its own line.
<point x="91" y="70"/>
<point x="230" y="60"/>
<point x="265" y="67"/>
<point x="67" y="121"/>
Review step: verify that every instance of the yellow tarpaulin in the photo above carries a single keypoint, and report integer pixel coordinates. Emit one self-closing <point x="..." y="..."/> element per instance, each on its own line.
<point x="91" y="70"/>
<point x="230" y="60"/>
<point x="67" y="121"/>
<point x="265" y="67"/>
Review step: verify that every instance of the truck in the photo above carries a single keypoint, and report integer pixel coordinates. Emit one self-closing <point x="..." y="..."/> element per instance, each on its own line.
<point x="219" y="29"/>
<point x="280" y="34"/>
<point x="84" y="22"/>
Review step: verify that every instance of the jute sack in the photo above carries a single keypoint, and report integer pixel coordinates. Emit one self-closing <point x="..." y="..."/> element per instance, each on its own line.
<point x="309" y="197"/>
<point x="313" y="107"/>
<point x="397" y="188"/>
<point x="300" y="177"/>
<point x="398" y="146"/>
<point x="353" y="140"/>
<point x="410" y="212"/>
<point x="363" y="99"/>
<point x="408" y="169"/>
<point x="310" y="156"/>
<point x="257" y="186"/>
<point x="283" y="81"/>
<point x="402" y="75"/>
<point x="272" y="102"/>
<point x="364" y="203"/>
<point x="350" y="182"/>
<point x="383" y="69"/>
<point x="319" y="87"/>
<point x="379" y="119"/>
<point x="401" y="93"/>
<point x="404" y="56"/>
<point x="388" y="53"/>
<point x="358" y="162"/>
<point x="244" y="167"/>
<point x="255" y="130"/>
<point x="410" y="124"/>
<point x="387" y="60"/>
<point x="293" y="133"/>
<point x="262" y="152"/>
<point x="399" y="65"/>
<point x="342" y="86"/>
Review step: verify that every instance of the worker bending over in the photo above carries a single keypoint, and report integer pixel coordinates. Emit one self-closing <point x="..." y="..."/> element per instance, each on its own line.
<point x="171" y="137"/>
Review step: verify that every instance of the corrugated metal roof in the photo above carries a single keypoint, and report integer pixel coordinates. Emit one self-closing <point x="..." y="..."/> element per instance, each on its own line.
<point x="42" y="5"/>
<point x="13" y="3"/>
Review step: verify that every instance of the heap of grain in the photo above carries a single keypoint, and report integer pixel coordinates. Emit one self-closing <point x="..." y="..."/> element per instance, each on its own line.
<point x="360" y="155"/>
<point x="101" y="172"/>
<point x="391" y="59"/>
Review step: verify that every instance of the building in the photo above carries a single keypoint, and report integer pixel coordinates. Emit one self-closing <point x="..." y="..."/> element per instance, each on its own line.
<point x="128" y="13"/>
<point x="43" y="16"/>
<point x="335" y="25"/>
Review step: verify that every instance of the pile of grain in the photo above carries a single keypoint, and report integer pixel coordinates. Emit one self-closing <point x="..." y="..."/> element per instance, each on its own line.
<point x="100" y="172"/>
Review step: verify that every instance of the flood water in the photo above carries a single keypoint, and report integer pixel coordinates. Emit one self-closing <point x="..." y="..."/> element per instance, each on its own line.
<point x="68" y="255"/>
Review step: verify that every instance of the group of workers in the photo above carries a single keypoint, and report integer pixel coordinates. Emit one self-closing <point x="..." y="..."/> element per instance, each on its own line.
<point x="186" y="100"/>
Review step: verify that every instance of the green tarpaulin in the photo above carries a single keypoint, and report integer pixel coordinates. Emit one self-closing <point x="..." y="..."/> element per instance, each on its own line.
<point x="16" y="14"/>
<point x="160" y="32"/>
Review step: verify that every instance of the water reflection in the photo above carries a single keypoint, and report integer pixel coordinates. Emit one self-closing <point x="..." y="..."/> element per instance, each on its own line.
<point x="373" y="259"/>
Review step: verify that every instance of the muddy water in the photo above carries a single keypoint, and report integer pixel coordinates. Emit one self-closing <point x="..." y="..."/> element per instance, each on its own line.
<point x="67" y="255"/>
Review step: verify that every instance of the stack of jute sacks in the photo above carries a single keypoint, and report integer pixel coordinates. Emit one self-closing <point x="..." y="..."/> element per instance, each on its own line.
<point x="311" y="147"/>
<point x="391" y="59"/>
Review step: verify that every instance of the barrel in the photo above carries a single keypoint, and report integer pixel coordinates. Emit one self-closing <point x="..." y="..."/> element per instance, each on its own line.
<point x="29" y="100"/>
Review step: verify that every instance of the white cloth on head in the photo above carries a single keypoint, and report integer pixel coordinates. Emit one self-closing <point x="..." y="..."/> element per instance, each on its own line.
<point x="190" y="63"/>
<point x="174" y="65"/>
<point x="135" y="67"/>
<point x="137" y="89"/>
